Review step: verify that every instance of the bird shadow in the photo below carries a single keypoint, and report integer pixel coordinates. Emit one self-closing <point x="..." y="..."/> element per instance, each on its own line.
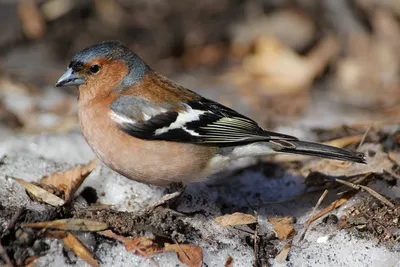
<point x="266" y="188"/>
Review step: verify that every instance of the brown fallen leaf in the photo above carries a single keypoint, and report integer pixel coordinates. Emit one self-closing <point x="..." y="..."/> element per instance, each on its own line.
<point x="80" y="249"/>
<point x="282" y="227"/>
<point x="236" y="218"/>
<point x="56" y="234"/>
<point x="70" y="180"/>
<point x="188" y="254"/>
<point x="139" y="244"/>
<point x="345" y="141"/>
<point x="30" y="260"/>
<point x="291" y="26"/>
<point x="56" y="8"/>
<point x="70" y="225"/>
<point x="229" y="262"/>
<point x="41" y="194"/>
<point x="33" y="23"/>
<point x="282" y="256"/>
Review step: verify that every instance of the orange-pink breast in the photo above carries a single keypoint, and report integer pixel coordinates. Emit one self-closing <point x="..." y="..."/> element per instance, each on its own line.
<point x="153" y="162"/>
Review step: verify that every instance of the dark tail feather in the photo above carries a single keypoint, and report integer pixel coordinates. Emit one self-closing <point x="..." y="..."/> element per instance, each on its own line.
<point x="323" y="151"/>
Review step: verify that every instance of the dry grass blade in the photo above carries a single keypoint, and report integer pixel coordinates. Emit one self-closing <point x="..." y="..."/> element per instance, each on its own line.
<point x="187" y="254"/>
<point x="80" y="250"/>
<point x="70" y="180"/>
<point x="281" y="258"/>
<point x="370" y="191"/>
<point x="334" y="205"/>
<point x="345" y="141"/>
<point x="41" y="194"/>
<point x="70" y="225"/>
<point x="236" y="218"/>
<point x="365" y="135"/>
<point x="312" y="214"/>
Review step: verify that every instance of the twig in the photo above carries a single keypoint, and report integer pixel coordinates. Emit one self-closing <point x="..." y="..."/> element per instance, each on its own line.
<point x="5" y="256"/>
<point x="336" y="204"/>
<point x="312" y="214"/>
<point x="365" y="135"/>
<point x="369" y="190"/>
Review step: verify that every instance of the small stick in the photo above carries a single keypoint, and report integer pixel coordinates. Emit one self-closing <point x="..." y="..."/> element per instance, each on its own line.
<point x="370" y="191"/>
<point x="312" y="214"/>
<point x="5" y="256"/>
<point x="365" y="135"/>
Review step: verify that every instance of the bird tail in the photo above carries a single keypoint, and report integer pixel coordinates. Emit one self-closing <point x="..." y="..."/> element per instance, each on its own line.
<point x="318" y="150"/>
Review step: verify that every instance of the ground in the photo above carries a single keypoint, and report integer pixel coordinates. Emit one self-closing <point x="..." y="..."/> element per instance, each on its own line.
<point x="323" y="71"/>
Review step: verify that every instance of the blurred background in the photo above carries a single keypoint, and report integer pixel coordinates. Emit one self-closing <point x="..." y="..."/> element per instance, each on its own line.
<point x="297" y="64"/>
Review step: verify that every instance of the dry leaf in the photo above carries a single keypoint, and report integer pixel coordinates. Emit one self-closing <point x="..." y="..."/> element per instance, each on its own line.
<point x="70" y="180"/>
<point x="70" y="225"/>
<point x="282" y="256"/>
<point x="290" y="26"/>
<point x="54" y="9"/>
<point x="80" y="249"/>
<point x="141" y="245"/>
<point x="30" y="260"/>
<point x="41" y="194"/>
<point x="229" y="262"/>
<point x="282" y="68"/>
<point x="187" y="254"/>
<point x="282" y="227"/>
<point x="368" y="75"/>
<point x="345" y="141"/>
<point x="33" y="24"/>
<point x="236" y="218"/>
<point x="56" y="234"/>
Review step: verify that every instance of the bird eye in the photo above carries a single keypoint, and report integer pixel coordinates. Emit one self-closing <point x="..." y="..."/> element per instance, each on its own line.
<point x="94" y="68"/>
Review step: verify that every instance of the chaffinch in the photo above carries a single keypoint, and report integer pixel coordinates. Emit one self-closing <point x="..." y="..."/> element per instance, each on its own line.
<point x="153" y="130"/>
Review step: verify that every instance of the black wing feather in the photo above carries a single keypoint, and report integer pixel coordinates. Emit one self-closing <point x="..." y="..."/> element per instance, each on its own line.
<point x="218" y="125"/>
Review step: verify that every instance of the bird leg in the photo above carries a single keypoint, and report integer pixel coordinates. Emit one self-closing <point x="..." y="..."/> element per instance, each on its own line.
<point x="174" y="194"/>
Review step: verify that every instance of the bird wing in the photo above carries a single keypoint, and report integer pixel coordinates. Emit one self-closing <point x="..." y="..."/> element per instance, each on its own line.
<point x="200" y="122"/>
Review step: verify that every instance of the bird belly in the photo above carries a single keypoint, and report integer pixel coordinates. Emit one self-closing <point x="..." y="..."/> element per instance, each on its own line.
<point x="153" y="162"/>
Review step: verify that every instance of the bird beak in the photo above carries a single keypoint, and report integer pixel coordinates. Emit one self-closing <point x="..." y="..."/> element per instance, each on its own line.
<point x="70" y="78"/>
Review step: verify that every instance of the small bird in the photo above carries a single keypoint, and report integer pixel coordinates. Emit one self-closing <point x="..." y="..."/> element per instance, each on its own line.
<point x="155" y="131"/>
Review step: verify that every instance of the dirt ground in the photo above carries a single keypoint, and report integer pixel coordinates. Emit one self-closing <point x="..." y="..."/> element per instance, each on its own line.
<point x="324" y="71"/>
